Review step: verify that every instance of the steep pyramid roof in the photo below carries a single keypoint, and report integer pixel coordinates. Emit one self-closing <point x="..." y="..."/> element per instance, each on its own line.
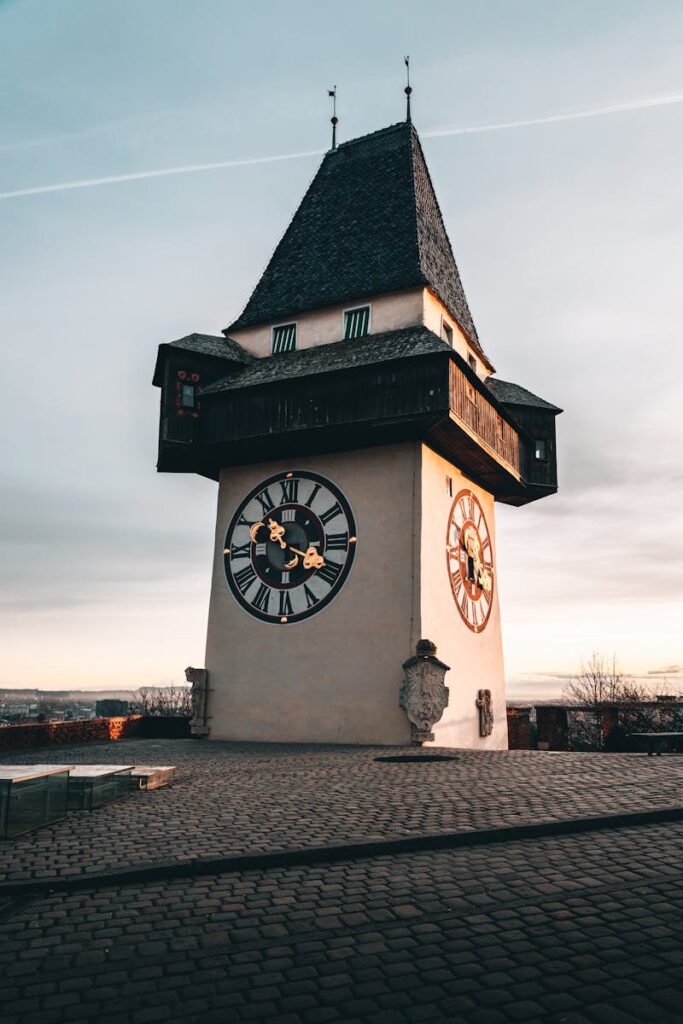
<point x="369" y="223"/>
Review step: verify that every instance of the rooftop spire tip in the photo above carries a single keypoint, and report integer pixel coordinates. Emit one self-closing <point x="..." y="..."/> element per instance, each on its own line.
<point x="334" y="120"/>
<point x="408" y="90"/>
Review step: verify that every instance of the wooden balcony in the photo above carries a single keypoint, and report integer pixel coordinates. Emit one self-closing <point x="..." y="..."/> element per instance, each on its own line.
<point x="476" y="415"/>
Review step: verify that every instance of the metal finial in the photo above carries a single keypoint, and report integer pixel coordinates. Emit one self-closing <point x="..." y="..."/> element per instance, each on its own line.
<point x="334" y="119"/>
<point x="407" y="89"/>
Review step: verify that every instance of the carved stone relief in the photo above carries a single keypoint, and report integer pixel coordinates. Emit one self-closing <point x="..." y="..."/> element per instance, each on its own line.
<point x="423" y="696"/>
<point x="199" y="677"/>
<point x="483" y="702"/>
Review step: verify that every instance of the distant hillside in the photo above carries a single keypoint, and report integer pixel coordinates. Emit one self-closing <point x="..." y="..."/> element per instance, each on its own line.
<point x="87" y="696"/>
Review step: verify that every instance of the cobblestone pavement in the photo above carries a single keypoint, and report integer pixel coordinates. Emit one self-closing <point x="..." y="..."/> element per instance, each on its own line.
<point x="583" y="929"/>
<point x="232" y="798"/>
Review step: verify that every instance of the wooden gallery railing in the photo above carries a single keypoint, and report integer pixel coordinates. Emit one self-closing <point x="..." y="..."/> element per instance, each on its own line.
<point x="474" y="409"/>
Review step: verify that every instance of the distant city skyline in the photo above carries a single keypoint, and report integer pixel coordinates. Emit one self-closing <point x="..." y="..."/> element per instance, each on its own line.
<point x="152" y="156"/>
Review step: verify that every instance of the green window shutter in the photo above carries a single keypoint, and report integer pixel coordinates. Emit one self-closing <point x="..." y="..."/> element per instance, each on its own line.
<point x="356" y="322"/>
<point x="284" y="338"/>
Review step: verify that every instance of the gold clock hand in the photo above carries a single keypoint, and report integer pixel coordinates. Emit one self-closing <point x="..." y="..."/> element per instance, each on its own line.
<point x="277" y="532"/>
<point x="253" y="531"/>
<point x="293" y="564"/>
<point x="312" y="560"/>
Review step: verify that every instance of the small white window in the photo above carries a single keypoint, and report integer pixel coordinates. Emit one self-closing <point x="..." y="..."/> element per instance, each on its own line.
<point x="540" y="449"/>
<point x="449" y="486"/>
<point x="284" y="338"/>
<point x="357" y="322"/>
<point x="188" y="396"/>
<point x="447" y="332"/>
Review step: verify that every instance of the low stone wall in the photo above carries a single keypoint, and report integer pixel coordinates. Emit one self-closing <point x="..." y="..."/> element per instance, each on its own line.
<point x="567" y="727"/>
<point x="49" y="734"/>
<point x="519" y="729"/>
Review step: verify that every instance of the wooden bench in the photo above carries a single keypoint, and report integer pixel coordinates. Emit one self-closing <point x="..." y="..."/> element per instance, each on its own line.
<point x="656" y="741"/>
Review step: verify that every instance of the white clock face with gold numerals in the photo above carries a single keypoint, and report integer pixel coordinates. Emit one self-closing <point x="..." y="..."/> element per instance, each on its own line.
<point x="469" y="557"/>
<point x="289" y="547"/>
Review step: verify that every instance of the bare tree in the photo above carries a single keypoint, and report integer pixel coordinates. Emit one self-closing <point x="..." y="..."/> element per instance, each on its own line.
<point x="599" y="684"/>
<point x="599" y="681"/>
<point x="158" y="701"/>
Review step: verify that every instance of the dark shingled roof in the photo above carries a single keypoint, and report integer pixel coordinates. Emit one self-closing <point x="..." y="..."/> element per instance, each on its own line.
<point x="514" y="394"/>
<point x="206" y="345"/>
<point x="369" y="224"/>
<point x="340" y="355"/>
<point x="210" y="345"/>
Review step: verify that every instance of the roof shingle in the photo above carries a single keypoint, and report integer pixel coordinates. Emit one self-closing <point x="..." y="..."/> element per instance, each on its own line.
<point x="515" y="394"/>
<point x="210" y="345"/>
<point x="369" y="224"/>
<point x="341" y="355"/>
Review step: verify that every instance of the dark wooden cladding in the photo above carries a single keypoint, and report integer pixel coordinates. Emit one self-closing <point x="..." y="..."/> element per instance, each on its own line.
<point x="432" y="398"/>
<point x="365" y="394"/>
<point x="477" y="412"/>
<point x="538" y="425"/>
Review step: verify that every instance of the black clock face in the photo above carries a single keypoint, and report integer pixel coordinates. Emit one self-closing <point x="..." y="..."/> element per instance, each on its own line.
<point x="289" y="547"/>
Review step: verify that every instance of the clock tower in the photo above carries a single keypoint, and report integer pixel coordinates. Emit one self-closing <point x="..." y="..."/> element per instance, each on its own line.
<point x="360" y="441"/>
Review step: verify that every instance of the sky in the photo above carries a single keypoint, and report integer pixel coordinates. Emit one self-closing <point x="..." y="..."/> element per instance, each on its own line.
<point x="553" y="134"/>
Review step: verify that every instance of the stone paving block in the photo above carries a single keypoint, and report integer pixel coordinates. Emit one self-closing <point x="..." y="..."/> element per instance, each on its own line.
<point x="524" y="950"/>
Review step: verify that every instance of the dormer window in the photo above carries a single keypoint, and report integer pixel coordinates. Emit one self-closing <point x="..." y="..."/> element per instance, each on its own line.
<point x="357" y="322"/>
<point x="541" y="449"/>
<point x="447" y="332"/>
<point x="284" y="338"/>
<point x="472" y="362"/>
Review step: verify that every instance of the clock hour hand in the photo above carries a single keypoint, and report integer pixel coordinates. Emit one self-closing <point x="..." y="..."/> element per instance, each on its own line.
<point x="312" y="560"/>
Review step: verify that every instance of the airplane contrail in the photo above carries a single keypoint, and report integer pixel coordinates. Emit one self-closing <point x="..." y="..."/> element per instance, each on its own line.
<point x="114" y="179"/>
<point x="577" y="115"/>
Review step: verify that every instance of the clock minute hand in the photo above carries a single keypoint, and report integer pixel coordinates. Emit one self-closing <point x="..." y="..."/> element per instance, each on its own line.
<point x="277" y="532"/>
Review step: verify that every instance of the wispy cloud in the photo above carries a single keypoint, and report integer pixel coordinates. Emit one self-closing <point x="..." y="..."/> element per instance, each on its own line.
<point x="432" y="133"/>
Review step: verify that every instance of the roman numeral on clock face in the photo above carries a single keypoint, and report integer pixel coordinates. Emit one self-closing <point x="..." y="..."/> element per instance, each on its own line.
<point x="244" y="578"/>
<point x="311" y="497"/>
<point x="311" y="599"/>
<point x="290" y="490"/>
<point x="329" y="572"/>
<point x="240" y="550"/>
<point x="262" y="598"/>
<point x="288" y="515"/>
<point x="265" y="501"/>
<point x="337" y="542"/>
<point x="332" y="511"/>
<point x="285" y="603"/>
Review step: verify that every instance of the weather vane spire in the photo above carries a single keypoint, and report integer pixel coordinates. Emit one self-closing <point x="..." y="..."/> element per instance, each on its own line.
<point x="334" y="119"/>
<point x="408" y="90"/>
